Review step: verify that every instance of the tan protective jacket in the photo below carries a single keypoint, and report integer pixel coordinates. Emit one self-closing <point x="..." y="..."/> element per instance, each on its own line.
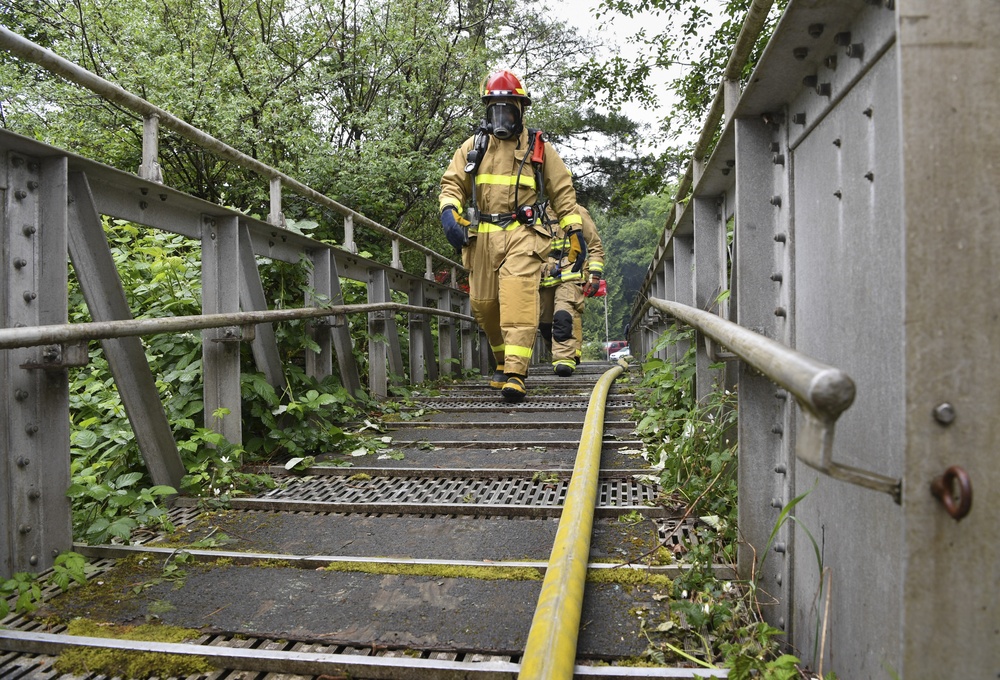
<point x="559" y="260"/>
<point x="498" y="178"/>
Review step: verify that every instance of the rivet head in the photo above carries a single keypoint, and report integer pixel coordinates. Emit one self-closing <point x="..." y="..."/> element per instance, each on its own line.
<point x="799" y="118"/>
<point x="33" y="560"/>
<point x="815" y="30"/>
<point x="780" y="547"/>
<point x="800" y="53"/>
<point x="23" y="462"/>
<point x="780" y="238"/>
<point x="20" y="395"/>
<point x="34" y="495"/>
<point x="777" y="277"/>
<point x="20" y="263"/>
<point x="30" y="429"/>
<point x="776" y="201"/>
<point x="777" y="579"/>
<point x="143" y="205"/>
<point x="855" y="51"/>
<point x="944" y="413"/>
<point x="29" y="295"/>
<point x="28" y="230"/>
<point x="24" y="529"/>
<point x="20" y="194"/>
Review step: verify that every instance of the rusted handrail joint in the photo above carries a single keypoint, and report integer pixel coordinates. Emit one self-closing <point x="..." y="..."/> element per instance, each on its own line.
<point x="33" y="336"/>
<point x="822" y="392"/>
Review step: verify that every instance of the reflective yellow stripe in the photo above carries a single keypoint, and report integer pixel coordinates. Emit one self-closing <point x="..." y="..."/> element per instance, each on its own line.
<point x="497" y="348"/>
<point x="514" y="350"/>
<point x="489" y="227"/>
<point x="568" y="277"/>
<point x="454" y="202"/>
<point x="570" y="220"/>
<point x="564" y="362"/>
<point x="508" y="181"/>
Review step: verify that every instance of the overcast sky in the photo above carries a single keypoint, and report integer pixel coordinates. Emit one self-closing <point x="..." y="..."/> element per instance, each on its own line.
<point x="615" y="34"/>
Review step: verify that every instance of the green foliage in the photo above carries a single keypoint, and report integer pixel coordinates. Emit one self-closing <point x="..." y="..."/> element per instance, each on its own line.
<point x="364" y="101"/>
<point x="106" y="509"/>
<point x="698" y="37"/>
<point x="692" y="445"/>
<point x="111" y="493"/>
<point x="68" y="567"/>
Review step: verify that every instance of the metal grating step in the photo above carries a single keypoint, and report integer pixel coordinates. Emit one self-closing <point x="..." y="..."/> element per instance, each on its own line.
<point x="503" y="491"/>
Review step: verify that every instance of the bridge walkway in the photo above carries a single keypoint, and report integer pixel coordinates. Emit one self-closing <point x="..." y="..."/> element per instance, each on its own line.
<point x="422" y="560"/>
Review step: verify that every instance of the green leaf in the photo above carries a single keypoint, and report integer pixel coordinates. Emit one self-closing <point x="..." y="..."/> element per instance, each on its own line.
<point x="128" y="479"/>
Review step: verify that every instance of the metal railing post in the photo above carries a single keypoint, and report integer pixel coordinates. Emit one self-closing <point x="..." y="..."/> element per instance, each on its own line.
<point x="34" y="411"/>
<point x="220" y="293"/>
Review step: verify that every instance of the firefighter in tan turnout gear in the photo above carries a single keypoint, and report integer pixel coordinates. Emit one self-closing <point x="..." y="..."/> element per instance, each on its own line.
<point x="506" y="174"/>
<point x="562" y="296"/>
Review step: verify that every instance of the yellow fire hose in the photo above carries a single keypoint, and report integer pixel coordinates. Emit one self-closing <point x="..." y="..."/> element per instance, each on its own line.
<point x="551" y="648"/>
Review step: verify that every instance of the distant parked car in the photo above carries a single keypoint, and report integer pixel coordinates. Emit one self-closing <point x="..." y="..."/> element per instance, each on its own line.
<point x="620" y="354"/>
<point x="614" y="346"/>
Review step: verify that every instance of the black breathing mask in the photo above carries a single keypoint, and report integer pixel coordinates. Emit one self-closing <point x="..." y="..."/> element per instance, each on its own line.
<point x="503" y="119"/>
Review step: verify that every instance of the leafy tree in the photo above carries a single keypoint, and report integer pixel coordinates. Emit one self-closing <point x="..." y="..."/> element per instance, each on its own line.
<point x="363" y="100"/>
<point x="698" y="36"/>
<point x="629" y="243"/>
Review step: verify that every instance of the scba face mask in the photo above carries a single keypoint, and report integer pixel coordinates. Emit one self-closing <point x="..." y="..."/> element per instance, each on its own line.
<point x="504" y="119"/>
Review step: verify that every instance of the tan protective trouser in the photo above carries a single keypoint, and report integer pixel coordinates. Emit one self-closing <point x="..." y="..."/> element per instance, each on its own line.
<point x="505" y="269"/>
<point x="567" y="298"/>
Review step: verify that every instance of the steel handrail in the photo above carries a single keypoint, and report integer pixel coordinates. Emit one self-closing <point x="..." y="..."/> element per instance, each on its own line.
<point x="69" y="333"/>
<point x="24" y="48"/>
<point x="822" y="391"/>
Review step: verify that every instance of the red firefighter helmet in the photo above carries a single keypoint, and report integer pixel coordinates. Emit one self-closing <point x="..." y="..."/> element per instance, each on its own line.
<point x="504" y="83"/>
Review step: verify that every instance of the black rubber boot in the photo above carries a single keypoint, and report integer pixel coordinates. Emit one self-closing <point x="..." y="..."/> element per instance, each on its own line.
<point x="499" y="379"/>
<point x="514" y="390"/>
<point x="563" y="370"/>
